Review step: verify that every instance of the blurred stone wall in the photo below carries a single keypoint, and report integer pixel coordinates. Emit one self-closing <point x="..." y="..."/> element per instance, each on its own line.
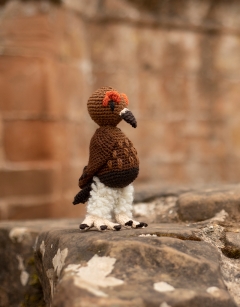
<point x="177" y="60"/>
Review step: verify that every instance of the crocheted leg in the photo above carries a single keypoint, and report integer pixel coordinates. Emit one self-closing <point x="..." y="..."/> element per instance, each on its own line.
<point x="99" y="207"/>
<point x="123" y="210"/>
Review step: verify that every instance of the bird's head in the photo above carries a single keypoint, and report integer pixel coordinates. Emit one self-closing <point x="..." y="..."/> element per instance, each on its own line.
<point x="107" y="107"/>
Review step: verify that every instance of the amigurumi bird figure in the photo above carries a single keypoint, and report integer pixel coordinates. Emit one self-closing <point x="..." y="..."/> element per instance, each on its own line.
<point x="106" y="182"/>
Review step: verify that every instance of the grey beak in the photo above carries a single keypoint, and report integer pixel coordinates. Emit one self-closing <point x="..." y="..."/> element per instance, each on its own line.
<point x="128" y="117"/>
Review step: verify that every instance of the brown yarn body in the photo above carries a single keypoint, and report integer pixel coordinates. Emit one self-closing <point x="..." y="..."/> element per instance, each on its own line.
<point x="113" y="159"/>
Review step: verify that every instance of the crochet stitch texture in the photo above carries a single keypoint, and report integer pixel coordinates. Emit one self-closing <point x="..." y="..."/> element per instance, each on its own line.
<point x="113" y="162"/>
<point x="113" y="158"/>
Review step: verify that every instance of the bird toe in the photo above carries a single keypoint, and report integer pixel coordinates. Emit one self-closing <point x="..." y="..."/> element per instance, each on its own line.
<point x="129" y="223"/>
<point x="117" y="227"/>
<point x="103" y="227"/>
<point x="141" y="225"/>
<point x="83" y="226"/>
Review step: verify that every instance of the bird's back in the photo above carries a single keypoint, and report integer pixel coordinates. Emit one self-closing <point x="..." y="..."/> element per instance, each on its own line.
<point x="122" y="166"/>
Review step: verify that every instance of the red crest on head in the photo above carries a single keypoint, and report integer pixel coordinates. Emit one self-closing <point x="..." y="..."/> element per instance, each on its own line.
<point x="111" y="95"/>
<point x="125" y="98"/>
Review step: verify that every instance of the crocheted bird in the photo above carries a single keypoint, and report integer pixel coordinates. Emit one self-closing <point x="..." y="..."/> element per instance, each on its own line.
<point x="106" y="182"/>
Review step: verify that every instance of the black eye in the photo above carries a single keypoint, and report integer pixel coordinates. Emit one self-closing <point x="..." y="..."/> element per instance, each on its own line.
<point x="112" y="105"/>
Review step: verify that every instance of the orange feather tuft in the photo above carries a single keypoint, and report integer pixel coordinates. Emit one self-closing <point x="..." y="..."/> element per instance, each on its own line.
<point x="111" y="95"/>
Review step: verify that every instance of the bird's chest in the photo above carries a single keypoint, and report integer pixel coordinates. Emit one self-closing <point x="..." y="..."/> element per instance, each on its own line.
<point x="122" y="165"/>
<point x="124" y="155"/>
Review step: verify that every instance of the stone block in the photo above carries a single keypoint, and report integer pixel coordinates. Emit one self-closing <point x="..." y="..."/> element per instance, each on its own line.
<point x="73" y="90"/>
<point x="181" y="52"/>
<point x="120" y="37"/>
<point x="22" y="211"/>
<point x="21" y="86"/>
<point x="175" y="94"/>
<point x="86" y="7"/>
<point x="14" y="183"/>
<point x="30" y="25"/>
<point x="3" y="210"/>
<point x="203" y="205"/>
<point x="123" y="10"/>
<point x="42" y="37"/>
<point x="234" y="136"/>
<point x="76" y="143"/>
<point x="233" y="238"/>
<point x="227" y="58"/>
<point x="18" y="271"/>
<point x="226" y="15"/>
<point x="64" y="208"/>
<point x="229" y="92"/>
<point x="167" y="267"/>
<point x="72" y="174"/>
<point x="32" y="140"/>
<point x="207" y="150"/>
<point x="233" y="169"/>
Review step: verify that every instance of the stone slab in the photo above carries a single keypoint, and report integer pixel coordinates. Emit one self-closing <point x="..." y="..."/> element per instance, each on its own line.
<point x="51" y="262"/>
<point x="131" y="267"/>
<point x="203" y="205"/>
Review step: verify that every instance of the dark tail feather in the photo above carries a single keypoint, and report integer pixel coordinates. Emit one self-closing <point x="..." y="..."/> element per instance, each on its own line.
<point x="83" y="195"/>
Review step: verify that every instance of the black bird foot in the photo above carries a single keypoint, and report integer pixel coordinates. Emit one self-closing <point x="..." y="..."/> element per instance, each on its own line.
<point x="142" y="225"/>
<point x="124" y="220"/>
<point x="83" y="226"/>
<point x="129" y="223"/>
<point x="100" y="223"/>
<point x="117" y="227"/>
<point x="103" y="227"/>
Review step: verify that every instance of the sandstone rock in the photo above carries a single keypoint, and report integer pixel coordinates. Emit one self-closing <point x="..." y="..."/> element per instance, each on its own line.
<point x="205" y="204"/>
<point x="26" y="182"/>
<point x="233" y="238"/>
<point x="230" y="272"/>
<point x="193" y="204"/>
<point x="129" y="268"/>
<point x="19" y="280"/>
<point x="162" y="265"/>
<point x="232" y="245"/>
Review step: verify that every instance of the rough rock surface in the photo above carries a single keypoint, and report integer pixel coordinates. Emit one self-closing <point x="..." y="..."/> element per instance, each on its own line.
<point x="187" y="204"/>
<point x="18" y="278"/>
<point x="19" y="281"/>
<point x="198" y="206"/>
<point x="130" y="268"/>
<point x="173" y="262"/>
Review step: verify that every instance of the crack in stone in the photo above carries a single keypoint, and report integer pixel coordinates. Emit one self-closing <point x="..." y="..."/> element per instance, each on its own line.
<point x="172" y="235"/>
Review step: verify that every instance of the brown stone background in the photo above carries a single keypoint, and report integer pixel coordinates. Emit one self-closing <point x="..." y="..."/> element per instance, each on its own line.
<point x="177" y="60"/>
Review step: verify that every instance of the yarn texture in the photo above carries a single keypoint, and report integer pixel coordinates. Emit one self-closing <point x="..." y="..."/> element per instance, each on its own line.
<point x="113" y="158"/>
<point x="106" y="181"/>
